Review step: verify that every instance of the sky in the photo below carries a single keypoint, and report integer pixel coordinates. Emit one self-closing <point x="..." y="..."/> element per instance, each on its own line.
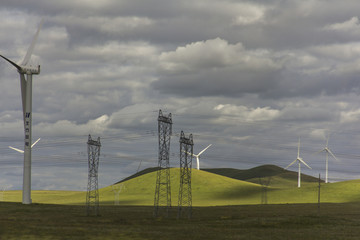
<point x="248" y="77"/>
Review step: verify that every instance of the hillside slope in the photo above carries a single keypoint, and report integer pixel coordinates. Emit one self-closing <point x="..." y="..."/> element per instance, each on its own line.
<point x="210" y="189"/>
<point x="138" y="174"/>
<point x="207" y="189"/>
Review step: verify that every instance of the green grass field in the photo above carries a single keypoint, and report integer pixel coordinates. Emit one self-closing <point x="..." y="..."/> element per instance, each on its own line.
<point x="224" y="208"/>
<point x="281" y="221"/>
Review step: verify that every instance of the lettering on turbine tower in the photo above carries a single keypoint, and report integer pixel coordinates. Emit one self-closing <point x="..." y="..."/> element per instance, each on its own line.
<point x="27" y="128"/>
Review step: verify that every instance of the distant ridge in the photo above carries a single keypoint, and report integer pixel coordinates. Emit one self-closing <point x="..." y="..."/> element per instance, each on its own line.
<point x="275" y="175"/>
<point x="278" y="176"/>
<point x="256" y="172"/>
<point x="138" y="174"/>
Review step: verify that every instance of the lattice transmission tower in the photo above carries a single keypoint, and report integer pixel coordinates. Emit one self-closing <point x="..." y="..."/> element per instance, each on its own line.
<point x="162" y="199"/>
<point x="92" y="196"/>
<point x="185" y="195"/>
<point x="264" y="188"/>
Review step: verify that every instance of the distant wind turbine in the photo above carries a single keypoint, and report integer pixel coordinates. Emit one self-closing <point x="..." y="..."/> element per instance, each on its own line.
<point x="198" y="156"/>
<point x="25" y="68"/>
<point x="22" y="151"/>
<point x="328" y="151"/>
<point x="299" y="160"/>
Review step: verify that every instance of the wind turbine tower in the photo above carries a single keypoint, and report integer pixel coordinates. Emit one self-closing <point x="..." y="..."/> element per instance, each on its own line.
<point x="328" y="151"/>
<point x="26" y="70"/>
<point x="299" y="160"/>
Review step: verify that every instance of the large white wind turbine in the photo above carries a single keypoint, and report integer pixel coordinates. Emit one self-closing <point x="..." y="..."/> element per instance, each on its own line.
<point x="26" y="70"/>
<point x="198" y="156"/>
<point x="328" y="151"/>
<point x="22" y="151"/>
<point x="299" y="160"/>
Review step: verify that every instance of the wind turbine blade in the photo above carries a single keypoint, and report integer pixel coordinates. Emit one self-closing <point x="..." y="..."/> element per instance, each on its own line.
<point x="35" y="142"/>
<point x="11" y="62"/>
<point x="139" y="166"/>
<point x="32" y="46"/>
<point x="204" y="150"/>
<point x="333" y="155"/>
<point x="291" y="164"/>
<point x="303" y="162"/>
<point x="16" y="149"/>
<point x="299" y="149"/>
<point x="318" y="151"/>
<point x="194" y="155"/>
<point x="327" y="140"/>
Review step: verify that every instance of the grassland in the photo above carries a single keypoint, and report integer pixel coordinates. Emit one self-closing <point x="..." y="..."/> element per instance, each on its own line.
<point x="224" y="208"/>
<point x="209" y="190"/>
<point x="282" y="221"/>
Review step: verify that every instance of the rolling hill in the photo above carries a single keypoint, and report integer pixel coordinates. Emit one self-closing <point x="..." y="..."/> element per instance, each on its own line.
<point x="210" y="189"/>
<point x="205" y="188"/>
<point x="276" y="176"/>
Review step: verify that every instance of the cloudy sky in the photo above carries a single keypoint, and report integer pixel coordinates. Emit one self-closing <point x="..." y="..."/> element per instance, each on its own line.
<point x="249" y="77"/>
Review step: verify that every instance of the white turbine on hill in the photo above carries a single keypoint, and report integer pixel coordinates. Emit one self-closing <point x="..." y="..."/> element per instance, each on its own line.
<point x="25" y="68"/>
<point x="22" y="151"/>
<point x="198" y="156"/>
<point x="299" y="160"/>
<point x="327" y="150"/>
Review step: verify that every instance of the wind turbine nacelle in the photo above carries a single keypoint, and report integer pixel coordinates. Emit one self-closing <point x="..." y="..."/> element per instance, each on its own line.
<point x="30" y="70"/>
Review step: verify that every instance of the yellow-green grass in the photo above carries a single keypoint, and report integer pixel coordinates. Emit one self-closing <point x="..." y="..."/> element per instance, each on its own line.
<point x="339" y="192"/>
<point x="214" y="190"/>
<point x="208" y="189"/>
<point x="48" y="197"/>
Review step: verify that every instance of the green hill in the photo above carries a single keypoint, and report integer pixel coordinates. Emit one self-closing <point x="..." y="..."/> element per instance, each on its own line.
<point x="210" y="189"/>
<point x="207" y="189"/>
<point x="270" y="175"/>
